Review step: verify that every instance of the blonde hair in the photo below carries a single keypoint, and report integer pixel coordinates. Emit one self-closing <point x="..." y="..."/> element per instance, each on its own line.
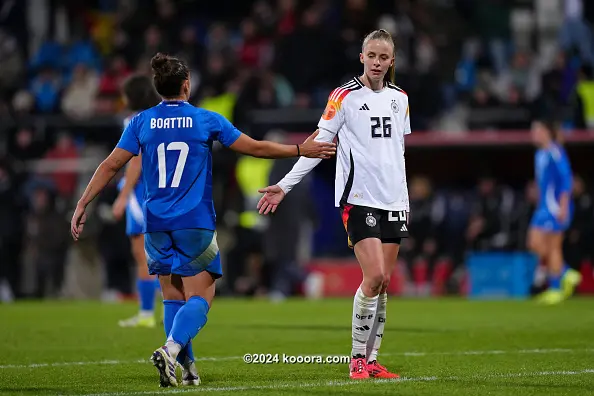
<point x="382" y="34"/>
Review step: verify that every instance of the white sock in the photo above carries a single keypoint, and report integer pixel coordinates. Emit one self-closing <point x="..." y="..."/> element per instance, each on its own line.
<point x="377" y="331"/>
<point x="173" y="347"/>
<point x="363" y="316"/>
<point x="146" y="314"/>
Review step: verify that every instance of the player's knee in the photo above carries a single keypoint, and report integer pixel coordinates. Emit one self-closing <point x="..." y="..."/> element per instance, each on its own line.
<point x="374" y="283"/>
<point x="535" y="246"/>
<point x="170" y="292"/>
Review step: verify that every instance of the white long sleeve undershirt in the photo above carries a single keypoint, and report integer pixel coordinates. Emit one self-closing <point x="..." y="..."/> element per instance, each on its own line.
<point x="304" y="165"/>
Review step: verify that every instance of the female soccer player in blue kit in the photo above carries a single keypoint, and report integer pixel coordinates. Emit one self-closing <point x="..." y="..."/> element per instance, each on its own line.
<point x="180" y="238"/>
<point x="554" y="212"/>
<point x="139" y="94"/>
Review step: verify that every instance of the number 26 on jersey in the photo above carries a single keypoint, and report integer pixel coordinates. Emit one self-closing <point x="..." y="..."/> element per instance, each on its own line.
<point x="381" y="127"/>
<point x="183" y="149"/>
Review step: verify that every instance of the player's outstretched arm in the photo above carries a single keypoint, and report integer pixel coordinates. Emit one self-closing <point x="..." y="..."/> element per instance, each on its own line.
<point x="131" y="178"/>
<point x="311" y="148"/>
<point x="273" y="195"/>
<point x="104" y="173"/>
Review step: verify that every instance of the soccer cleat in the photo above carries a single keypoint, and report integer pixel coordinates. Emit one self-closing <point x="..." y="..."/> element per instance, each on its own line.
<point x="166" y="365"/>
<point x="139" y="321"/>
<point x="376" y="370"/>
<point x="358" y="368"/>
<point x="190" y="376"/>
<point x="571" y="279"/>
<point x="550" y="297"/>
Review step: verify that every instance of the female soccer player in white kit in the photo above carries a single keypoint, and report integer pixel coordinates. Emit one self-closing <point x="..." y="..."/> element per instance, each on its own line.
<point x="369" y="116"/>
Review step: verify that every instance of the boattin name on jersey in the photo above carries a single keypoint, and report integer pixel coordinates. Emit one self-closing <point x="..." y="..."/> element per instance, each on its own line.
<point x="171" y="122"/>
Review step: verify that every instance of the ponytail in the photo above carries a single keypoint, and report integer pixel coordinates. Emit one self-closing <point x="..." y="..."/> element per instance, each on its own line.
<point x="390" y="75"/>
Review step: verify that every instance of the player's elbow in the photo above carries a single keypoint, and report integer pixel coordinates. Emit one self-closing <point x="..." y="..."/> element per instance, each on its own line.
<point x="110" y="165"/>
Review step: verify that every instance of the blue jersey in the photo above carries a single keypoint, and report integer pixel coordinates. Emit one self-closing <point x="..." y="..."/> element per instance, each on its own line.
<point x="139" y="187"/>
<point x="553" y="177"/>
<point x="176" y="142"/>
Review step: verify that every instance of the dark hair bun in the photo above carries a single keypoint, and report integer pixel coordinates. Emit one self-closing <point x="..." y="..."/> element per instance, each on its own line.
<point x="161" y="65"/>
<point x="169" y="74"/>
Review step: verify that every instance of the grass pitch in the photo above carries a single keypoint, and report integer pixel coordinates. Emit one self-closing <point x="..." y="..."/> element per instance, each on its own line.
<point x="439" y="347"/>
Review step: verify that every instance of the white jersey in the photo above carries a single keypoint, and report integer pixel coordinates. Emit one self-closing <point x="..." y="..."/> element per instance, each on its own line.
<point x="370" y="128"/>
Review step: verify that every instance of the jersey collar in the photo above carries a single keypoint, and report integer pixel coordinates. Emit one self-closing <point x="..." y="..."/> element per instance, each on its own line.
<point x="358" y="80"/>
<point x="173" y="102"/>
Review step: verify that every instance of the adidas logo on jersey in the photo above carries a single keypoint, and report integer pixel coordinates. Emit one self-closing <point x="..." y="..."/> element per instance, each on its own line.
<point x="404" y="228"/>
<point x="364" y="107"/>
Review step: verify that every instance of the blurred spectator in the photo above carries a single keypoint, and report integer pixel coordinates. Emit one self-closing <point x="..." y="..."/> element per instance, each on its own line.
<point x="282" y="243"/>
<point x="78" y="100"/>
<point x="246" y="260"/>
<point x="287" y="17"/>
<point x="81" y="51"/>
<point x="11" y="63"/>
<point x="24" y="147"/>
<point x="583" y="99"/>
<point x="65" y="181"/>
<point x="115" y="73"/>
<point x="523" y="75"/>
<point x="575" y="33"/>
<point x="254" y="51"/>
<point x="578" y="242"/>
<point x="189" y="48"/>
<point x="45" y="244"/>
<point x="422" y="249"/>
<point x="46" y="88"/>
<point x="311" y="41"/>
<point x="489" y="226"/>
<point x="219" y="41"/>
<point x="522" y="215"/>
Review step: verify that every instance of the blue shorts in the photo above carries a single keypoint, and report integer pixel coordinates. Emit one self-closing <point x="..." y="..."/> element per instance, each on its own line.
<point x="183" y="252"/>
<point x="546" y="221"/>
<point x="133" y="226"/>
<point x="134" y="214"/>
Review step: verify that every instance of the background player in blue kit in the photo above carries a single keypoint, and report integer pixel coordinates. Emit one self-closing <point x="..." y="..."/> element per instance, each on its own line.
<point x="139" y="94"/>
<point x="554" y="212"/>
<point x="180" y="239"/>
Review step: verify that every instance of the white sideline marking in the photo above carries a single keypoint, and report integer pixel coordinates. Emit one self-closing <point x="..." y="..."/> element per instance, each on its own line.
<point x="297" y="385"/>
<point x="240" y="358"/>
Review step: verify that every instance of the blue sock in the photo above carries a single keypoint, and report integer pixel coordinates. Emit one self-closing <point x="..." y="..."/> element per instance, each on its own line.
<point x="189" y="320"/>
<point x="170" y="309"/>
<point x="146" y="292"/>
<point x="555" y="281"/>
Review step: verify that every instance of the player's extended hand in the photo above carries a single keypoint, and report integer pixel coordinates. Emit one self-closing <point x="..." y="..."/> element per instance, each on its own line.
<point x="78" y="222"/>
<point x="273" y="195"/>
<point x="311" y="148"/>
<point x="119" y="207"/>
<point x="562" y="215"/>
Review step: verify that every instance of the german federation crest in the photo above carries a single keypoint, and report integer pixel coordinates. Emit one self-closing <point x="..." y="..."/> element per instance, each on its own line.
<point x="395" y="107"/>
<point x="370" y="221"/>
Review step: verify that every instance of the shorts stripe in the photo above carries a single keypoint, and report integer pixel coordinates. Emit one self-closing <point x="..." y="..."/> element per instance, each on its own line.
<point x="135" y="209"/>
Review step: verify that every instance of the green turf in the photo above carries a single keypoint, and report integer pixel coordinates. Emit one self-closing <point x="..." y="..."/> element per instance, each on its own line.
<point x="462" y="348"/>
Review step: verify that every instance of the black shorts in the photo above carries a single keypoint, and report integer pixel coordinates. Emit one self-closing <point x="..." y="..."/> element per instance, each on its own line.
<point x="362" y="222"/>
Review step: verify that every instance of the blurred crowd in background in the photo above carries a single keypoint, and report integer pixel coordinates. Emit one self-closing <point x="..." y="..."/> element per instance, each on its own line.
<point x="465" y="64"/>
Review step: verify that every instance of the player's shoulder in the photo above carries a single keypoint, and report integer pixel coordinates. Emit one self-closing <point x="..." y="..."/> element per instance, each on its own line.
<point x="397" y="90"/>
<point x="339" y="94"/>
<point x="557" y="152"/>
<point x="208" y="116"/>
